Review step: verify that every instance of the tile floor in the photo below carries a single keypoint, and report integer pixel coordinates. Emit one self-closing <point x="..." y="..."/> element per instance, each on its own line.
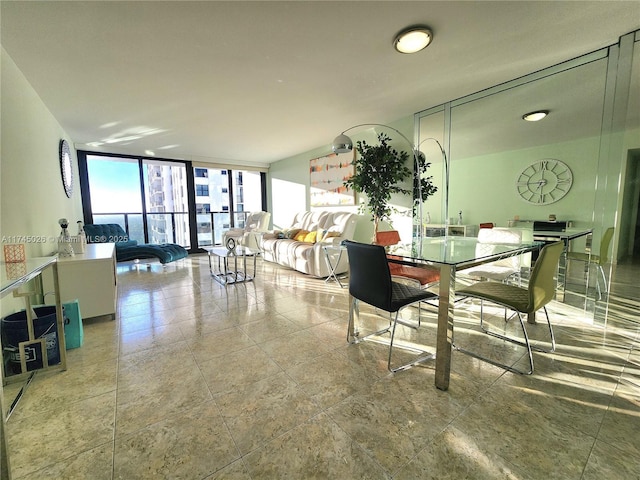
<point x="256" y="381"/>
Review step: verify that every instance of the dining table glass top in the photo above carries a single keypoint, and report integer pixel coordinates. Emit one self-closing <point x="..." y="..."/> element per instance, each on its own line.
<point x="458" y="251"/>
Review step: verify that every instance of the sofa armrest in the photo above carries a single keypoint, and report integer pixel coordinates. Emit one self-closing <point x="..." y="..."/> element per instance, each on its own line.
<point x="332" y="241"/>
<point x="235" y="231"/>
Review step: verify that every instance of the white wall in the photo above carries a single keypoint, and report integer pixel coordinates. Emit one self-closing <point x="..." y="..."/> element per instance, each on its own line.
<point x="32" y="198"/>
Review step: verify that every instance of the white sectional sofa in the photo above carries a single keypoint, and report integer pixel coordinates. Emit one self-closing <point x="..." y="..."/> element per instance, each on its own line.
<point x="300" y="246"/>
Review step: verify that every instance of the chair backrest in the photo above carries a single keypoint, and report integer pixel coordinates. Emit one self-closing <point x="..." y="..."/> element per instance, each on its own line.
<point x="487" y="237"/>
<point x="604" y="246"/>
<point x="387" y="238"/>
<point x="257" y="221"/>
<point x="369" y="276"/>
<point x="542" y="287"/>
<point x="500" y="235"/>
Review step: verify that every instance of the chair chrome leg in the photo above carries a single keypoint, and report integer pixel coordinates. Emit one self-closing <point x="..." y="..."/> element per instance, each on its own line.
<point x="353" y="306"/>
<point x="420" y="359"/>
<point x="553" y="337"/>
<point x="353" y="334"/>
<point x="525" y="344"/>
<point x="598" y="289"/>
<point x="604" y="283"/>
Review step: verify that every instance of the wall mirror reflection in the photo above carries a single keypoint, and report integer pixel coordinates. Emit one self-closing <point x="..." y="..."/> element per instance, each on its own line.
<point x="495" y="159"/>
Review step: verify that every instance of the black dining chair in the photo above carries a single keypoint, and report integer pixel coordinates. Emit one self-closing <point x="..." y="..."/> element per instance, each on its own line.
<point x="370" y="282"/>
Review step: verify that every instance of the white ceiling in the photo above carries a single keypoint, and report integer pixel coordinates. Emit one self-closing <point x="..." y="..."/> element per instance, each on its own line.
<point x="254" y="82"/>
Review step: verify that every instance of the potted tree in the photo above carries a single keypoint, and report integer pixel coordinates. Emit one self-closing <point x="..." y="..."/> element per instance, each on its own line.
<point x="380" y="171"/>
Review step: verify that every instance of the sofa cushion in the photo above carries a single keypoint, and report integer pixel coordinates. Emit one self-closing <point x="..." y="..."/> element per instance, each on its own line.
<point x="310" y="237"/>
<point x="300" y="236"/>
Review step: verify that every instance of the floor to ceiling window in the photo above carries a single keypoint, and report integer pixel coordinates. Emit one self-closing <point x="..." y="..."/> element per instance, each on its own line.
<point x="223" y="198"/>
<point x="116" y="194"/>
<point x="162" y="201"/>
<point x="166" y="202"/>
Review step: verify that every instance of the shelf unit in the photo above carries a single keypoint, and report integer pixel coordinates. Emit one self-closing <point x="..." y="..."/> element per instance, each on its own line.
<point x="438" y="230"/>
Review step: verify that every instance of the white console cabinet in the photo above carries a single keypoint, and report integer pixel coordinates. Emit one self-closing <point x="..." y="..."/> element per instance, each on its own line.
<point x="90" y="278"/>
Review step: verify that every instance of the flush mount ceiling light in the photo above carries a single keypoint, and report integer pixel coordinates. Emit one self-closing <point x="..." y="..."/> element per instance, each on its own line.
<point x="413" y="39"/>
<point x="535" y="116"/>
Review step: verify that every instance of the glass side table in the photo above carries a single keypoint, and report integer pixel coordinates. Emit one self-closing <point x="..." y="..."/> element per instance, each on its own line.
<point x="332" y="255"/>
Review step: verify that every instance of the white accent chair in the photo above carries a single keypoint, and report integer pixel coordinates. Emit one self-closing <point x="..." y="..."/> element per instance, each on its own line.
<point x="500" y="270"/>
<point x="255" y="224"/>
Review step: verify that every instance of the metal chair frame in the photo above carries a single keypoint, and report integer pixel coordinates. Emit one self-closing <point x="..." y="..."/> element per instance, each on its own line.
<point x="541" y="277"/>
<point x="368" y="264"/>
<point x="598" y="260"/>
<point x="404" y="273"/>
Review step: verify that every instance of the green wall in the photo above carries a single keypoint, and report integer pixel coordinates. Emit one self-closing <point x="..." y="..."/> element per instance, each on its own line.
<point x="484" y="187"/>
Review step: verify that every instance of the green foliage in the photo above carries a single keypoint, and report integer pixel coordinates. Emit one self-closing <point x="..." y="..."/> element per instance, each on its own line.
<point x="380" y="169"/>
<point x="426" y="183"/>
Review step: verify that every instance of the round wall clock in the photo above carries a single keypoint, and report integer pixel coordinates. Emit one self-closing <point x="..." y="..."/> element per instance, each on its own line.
<point x="66" y="167"/>
<point x="544" y="181"/>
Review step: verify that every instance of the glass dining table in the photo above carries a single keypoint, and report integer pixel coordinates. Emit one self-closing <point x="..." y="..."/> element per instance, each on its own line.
<point x="451" y="253"/>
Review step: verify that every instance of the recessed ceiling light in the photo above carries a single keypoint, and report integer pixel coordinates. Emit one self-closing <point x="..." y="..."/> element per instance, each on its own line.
<point x="535" y="116"/>
<point x="413" y="39"/>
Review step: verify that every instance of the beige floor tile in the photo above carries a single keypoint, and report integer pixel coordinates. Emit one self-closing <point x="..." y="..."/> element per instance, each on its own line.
<point x="392" y="420"/>
<point x="148" y="392"/>
<point x="265" y="329"/>
<point x="608" y="461"/>
<point x="95" y="463"/>
<point x="37" y="441"/>
<point x="192" y="443"/>
<point x="453" y="455"/>
<point x="149" y="338"/>
<point x="515" y="431"/>
<point x="294" y="348"/>
<point x="236" y="471"/>
<point x="328" y="379"/>
<point x="315" y="449"/>
<point x="621" y="422"/>
<point x="234" y="371"/>
<point x="264" y="410"/>
<point x="250" y="381"/>
<point x="54" y="391"/>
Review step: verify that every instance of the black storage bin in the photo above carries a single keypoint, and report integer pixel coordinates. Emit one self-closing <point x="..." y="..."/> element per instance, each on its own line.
<point x="14" y="331"/>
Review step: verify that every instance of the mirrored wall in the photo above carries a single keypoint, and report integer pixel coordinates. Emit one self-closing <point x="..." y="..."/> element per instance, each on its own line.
<point x="568" y="166"/>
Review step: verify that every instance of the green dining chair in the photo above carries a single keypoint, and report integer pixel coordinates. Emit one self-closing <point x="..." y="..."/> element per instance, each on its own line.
<point x="598" y="260"/>
<point x="540" y="291"/>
